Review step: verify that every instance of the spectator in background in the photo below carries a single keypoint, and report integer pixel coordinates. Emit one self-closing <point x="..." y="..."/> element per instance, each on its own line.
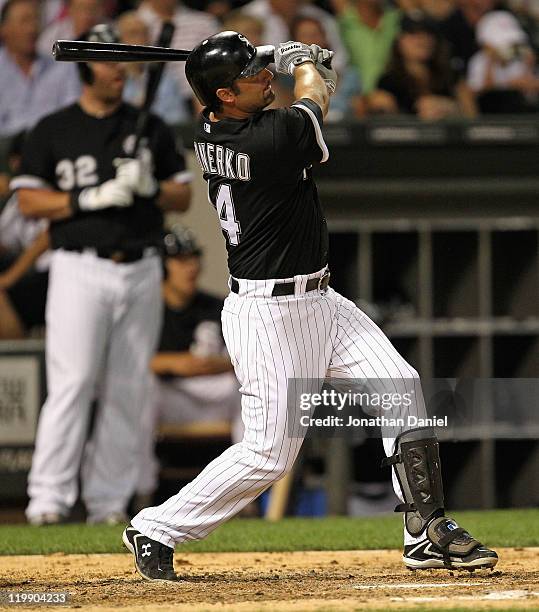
<point x="80" y="16"/>
<point x="16" y="231"/>
<point x="310" y="31"/>
<point x="31" y="85"/>
<point x="503" y="73"/>
<point x="527" y="12"/>
<point x="23" y="262"/>
<point x="194" y="379"/>
<point x="459" y="30"/>
<point x="436" y="9"/>
<point x="419" y="79"/>
<point x="368" y="30"/>
<point x="168" y="103"/>
<point x="248" y="25"/>
<point x="23" y="290"/>
<point x="279" y="15"/>
<point x="190" y="28"/>
<point x="51" y="10"/>
<point x="219" y="8"/>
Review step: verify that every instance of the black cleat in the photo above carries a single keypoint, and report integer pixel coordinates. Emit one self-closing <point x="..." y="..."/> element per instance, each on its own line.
<point x="448" y="546"/>
<point x="153" y="560"/>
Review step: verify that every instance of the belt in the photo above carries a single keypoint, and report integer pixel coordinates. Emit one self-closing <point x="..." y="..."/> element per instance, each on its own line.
<point x="119" y="255"/>
<point x="320" y="283"/>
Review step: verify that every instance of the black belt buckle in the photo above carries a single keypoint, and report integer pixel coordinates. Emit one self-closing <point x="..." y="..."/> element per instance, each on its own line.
<point x="119" y="256"/>
<point x="323" y="282"/>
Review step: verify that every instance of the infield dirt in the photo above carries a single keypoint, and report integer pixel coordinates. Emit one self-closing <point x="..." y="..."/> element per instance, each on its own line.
<point x="248" y="582"/>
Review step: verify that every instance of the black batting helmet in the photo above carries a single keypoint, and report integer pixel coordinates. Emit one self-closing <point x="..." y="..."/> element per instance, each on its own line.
<point x="180" y="240"/>
<point x="102" y="32"/>
<point x="221" y="59"/>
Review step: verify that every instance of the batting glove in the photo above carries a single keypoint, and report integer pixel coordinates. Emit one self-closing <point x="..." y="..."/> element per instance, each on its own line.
<point x="110" y="193"/>
<point x="290" y="54"/>
<point x="321" y="56"/>
<point x="322" y="62"/>
<point x="137" y="175"/>
<point x="330" y="77"/>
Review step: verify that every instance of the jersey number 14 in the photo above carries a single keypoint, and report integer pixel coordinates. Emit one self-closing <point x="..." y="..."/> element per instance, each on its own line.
<point x="224" y="205"/>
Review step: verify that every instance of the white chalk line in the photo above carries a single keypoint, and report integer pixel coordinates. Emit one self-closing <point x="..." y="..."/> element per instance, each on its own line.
<point x="492" y="596"/>
<point x="417" y="585"/>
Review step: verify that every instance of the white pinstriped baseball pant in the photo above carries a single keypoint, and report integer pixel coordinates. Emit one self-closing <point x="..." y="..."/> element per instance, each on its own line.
<point x="103" y="321"/>
<point x="271" y="340"/>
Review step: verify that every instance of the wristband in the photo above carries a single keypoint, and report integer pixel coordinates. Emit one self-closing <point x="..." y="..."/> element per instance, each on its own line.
<point x="299" y="62"/>
<point x="74" y="203"/>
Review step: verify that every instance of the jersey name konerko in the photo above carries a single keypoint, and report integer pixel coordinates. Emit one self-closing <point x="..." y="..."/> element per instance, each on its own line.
<point x="259" y="179"/>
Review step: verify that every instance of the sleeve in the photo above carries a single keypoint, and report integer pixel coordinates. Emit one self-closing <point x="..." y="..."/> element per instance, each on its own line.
<point x="37" y="163"/>
<point x="168" y="103"/>
<point x="303" y="133"/>
<point x="476" y="73"/>
<point x="10" y="226"/>
<point x="169" y="157"/>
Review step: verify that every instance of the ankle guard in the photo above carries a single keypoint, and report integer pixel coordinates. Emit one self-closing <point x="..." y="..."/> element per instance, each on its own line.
<point x="417" y="467"/>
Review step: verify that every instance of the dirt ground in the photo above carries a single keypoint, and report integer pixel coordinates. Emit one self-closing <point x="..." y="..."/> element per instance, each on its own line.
<point x="249" y="582"/>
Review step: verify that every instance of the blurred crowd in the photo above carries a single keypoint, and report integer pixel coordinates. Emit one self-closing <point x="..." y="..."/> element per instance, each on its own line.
<point x="429" y="58"/>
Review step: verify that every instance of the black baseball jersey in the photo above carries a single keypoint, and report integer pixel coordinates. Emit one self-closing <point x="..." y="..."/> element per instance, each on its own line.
<point x="197" y="327"/>
<point x="70" y="150"/>
<point x="259" y="181"/>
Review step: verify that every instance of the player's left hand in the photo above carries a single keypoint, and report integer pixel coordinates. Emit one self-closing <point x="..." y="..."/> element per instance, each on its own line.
<point x="137" y="175"/>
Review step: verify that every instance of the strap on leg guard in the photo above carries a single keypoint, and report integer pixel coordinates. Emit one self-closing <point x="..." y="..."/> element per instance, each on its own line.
<point x="417" y="467"/>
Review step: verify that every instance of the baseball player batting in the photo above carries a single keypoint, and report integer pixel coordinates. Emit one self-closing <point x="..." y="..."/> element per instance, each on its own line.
<point x="281" y="320"/>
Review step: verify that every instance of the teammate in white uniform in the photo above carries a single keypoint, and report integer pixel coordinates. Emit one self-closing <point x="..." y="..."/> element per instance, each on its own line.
<point x="281" y="321"/>
<point x="104" y="300"/>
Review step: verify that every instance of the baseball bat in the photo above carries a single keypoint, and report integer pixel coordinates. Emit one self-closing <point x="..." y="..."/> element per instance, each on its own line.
<point x="155" y="72"/>
<point x="82" y="51"/>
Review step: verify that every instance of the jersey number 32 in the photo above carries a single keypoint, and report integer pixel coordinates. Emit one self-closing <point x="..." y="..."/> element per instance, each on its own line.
<point x="224" y="204"/>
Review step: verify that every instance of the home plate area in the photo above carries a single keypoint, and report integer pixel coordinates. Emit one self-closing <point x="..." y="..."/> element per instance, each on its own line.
<point x="314" y="580"/>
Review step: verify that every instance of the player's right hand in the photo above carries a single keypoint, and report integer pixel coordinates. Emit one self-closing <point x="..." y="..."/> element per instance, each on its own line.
<point x="137" y="175"/>
<point x="110" y="193"/>
<point x="330" y="77"/>
<point x="322" y="61"/>
<point x="290" y="54"/>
